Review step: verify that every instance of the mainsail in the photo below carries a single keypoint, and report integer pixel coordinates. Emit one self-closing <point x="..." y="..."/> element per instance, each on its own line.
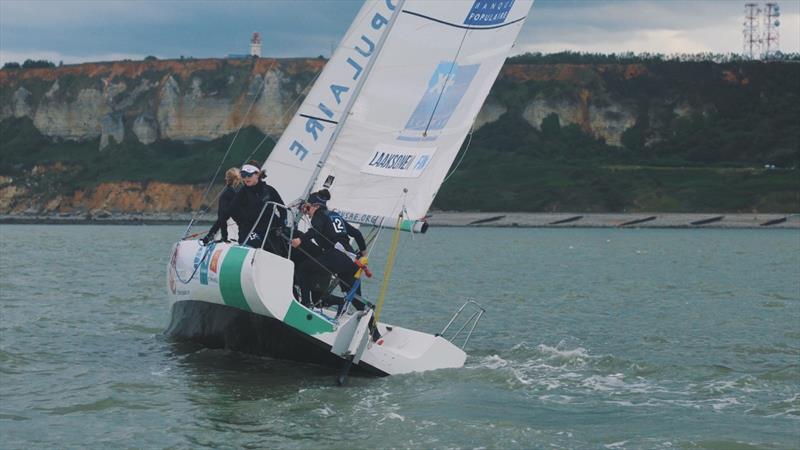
<point x="389" y="113"/>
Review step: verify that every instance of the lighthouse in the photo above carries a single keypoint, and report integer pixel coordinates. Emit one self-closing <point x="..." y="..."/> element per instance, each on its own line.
<point x="255" y="45"/>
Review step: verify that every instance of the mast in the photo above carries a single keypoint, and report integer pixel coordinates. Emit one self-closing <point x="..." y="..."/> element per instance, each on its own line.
<point x="352" y="100"/>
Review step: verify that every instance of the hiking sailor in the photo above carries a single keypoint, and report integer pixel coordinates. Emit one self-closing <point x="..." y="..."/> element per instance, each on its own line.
<point x="255" y="215"/>
<point x="332" y="235"/>
<point x="232" y="182"/>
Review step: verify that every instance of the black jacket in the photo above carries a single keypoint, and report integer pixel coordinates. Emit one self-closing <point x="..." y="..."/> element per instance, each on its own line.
<point x="223" y="212"/>
<point x="328" y="228"/>
<point x="248" y="203"/>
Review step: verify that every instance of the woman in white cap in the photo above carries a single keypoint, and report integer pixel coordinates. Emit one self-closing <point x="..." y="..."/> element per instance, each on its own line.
<point x="248" y="204"/>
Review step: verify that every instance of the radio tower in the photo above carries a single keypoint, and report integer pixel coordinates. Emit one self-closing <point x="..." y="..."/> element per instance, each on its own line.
<point x="771" y="39"/>
<point x="752" y="41"/>
<point x="255" y="45"/>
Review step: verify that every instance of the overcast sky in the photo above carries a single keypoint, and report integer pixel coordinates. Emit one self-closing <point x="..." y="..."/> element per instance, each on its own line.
<point x="94" y="30"/>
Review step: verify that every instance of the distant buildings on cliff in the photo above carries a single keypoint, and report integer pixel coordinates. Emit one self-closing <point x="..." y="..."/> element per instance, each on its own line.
<point x="255" y="48"/>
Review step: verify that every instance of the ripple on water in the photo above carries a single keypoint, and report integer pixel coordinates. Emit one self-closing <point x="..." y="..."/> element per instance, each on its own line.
<point x="107" y="403"/>
<point x="687" y="353"/>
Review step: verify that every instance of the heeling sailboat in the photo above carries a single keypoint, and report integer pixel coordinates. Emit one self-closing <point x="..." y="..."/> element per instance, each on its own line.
<point x="380" y="128"/>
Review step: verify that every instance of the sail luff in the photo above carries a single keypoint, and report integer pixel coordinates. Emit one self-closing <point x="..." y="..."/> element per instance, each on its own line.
<point x="352" y="100"/>
<point x="295" y="157"/>
<point x="384" y="122"/>
<point x="417" y="107"/>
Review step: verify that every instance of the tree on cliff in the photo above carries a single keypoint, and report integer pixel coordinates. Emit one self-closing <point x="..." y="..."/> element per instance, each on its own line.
<point x="38" y="64"/>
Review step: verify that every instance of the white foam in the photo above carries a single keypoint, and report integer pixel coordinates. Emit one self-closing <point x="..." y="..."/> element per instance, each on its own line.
<point x="160" y="373"/>
<point x="620" y="444"/>
<point x="724" y="403"/>
<point x="325" y="411"/>
<point x="559" y="399"/>
<point x="494" y="362"/>
<point x="521" y="346"/>
<point x="611" y="382"/>
<point x="522" y="377"/>
<point x="620" y="402"/>
<point x="578" y="352"/>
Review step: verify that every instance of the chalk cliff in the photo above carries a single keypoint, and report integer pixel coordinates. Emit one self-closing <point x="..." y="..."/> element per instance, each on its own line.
<point x="157" y="106"/>
<point x="152" y="100"/>
<point x="205" y="99"/>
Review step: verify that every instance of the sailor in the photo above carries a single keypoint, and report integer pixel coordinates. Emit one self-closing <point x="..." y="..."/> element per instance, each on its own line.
<point x="250" y="203"/>
<point x="232" y="183"/>
<point x="331" y="233"/>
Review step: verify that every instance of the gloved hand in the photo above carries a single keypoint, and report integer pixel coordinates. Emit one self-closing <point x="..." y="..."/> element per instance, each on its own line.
<point x="208" y="238"/>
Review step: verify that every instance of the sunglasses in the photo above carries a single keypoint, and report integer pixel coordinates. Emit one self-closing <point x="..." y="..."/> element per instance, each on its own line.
<point x="244" y="174"/>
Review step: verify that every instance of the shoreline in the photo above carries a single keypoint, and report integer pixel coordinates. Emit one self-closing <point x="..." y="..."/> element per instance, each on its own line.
<point x="477" y="219"/>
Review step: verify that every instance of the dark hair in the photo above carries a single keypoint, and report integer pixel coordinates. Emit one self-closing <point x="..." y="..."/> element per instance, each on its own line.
<point x="320" y="197"/>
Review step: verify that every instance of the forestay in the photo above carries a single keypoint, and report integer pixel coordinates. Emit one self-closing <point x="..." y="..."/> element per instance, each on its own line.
<point x="394" y="104"/>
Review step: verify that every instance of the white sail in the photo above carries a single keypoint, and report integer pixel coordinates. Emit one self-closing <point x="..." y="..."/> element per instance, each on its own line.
<point x="412" y="77"/>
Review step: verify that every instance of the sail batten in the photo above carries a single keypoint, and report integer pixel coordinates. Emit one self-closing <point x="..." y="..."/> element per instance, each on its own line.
<point x="397" y="100"/>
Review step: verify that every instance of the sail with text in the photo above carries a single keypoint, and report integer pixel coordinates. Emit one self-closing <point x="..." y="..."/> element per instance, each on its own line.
<point x="387" y="116"/>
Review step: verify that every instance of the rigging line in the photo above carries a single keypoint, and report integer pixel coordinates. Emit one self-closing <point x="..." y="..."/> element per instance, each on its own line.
<point x="316" y="261"/>
<point x="285" y="113"/>
<point x="196" y="267"/>
<point x="354" y="95"/>
<point x="387" y="272"/>
<point x="313" y="80"/>
<point x="227" y="152"/>
<point x="371" y="246"/>
<point x="266" y="136"/>
<point x="466" y="149"/>
<point x="444" y="85"/>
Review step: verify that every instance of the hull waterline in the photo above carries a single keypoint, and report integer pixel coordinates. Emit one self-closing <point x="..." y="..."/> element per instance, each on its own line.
<point x="225" y="327"/>
<point x="240" y="298"/>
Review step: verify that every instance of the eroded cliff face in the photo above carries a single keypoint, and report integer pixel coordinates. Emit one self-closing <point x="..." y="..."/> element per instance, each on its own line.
<point x="209" y="98"/>
<point x="200" y="100"/>
<point x="152" y="100"/>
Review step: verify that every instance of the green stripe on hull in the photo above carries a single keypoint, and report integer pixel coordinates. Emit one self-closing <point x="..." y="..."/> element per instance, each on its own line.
<point x="299" y="317"/>
<point x="230" y="278"/>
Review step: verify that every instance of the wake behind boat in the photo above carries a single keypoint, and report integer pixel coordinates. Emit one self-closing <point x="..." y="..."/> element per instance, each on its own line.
<point x="380" y="129"/>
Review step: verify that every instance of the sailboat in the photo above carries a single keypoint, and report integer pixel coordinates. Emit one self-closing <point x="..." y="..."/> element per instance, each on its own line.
<point x="379" y="129"/>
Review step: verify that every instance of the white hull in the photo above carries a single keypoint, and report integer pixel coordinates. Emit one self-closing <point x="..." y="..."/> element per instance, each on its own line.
<point x="260" y="283"/>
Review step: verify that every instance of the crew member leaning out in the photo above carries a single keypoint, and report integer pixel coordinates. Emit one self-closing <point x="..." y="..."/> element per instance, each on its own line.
<point x="327" y="229"/>
<point x="249" y="202"/>
<point x="232" y="183"/>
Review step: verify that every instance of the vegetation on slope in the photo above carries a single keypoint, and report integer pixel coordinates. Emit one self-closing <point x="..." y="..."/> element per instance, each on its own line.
<point x="718" y="156"/>
<point x="169" y="161"/>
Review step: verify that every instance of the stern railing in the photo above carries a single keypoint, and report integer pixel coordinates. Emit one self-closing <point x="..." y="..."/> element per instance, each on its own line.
<point x="471" y="321"/>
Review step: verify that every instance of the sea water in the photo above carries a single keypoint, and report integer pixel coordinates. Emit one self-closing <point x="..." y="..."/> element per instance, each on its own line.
<point x="592" y="338"/>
